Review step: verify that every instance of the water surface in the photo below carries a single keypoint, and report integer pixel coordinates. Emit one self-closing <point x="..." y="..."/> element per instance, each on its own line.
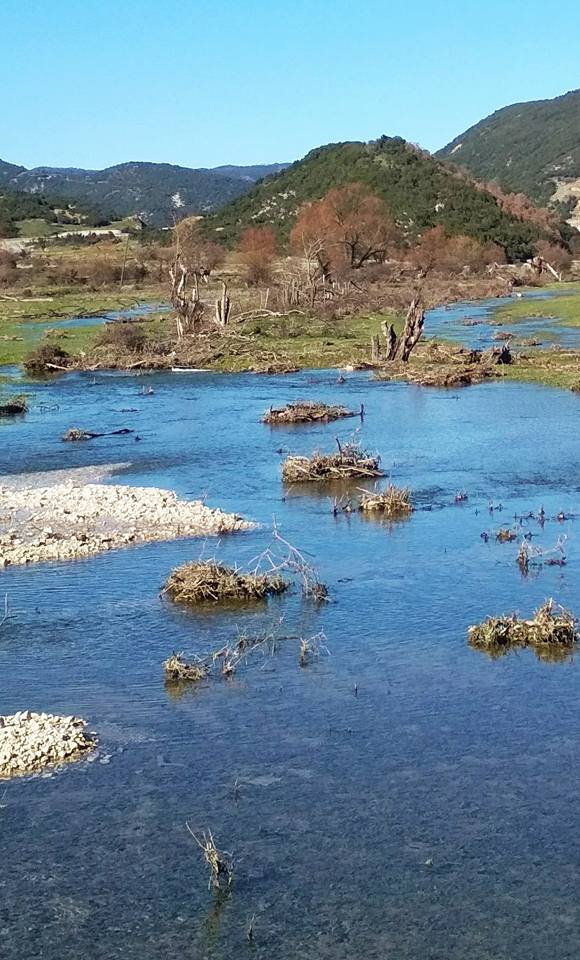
<point x="401" y="797"/>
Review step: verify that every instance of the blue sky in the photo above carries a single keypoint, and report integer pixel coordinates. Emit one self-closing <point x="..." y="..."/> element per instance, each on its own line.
<point x="96" y="82"/>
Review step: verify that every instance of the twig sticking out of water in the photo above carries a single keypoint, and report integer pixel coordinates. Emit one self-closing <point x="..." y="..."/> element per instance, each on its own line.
<point x="7" y="615"/>
<point x="311" y="647"/>
<point x="220" y="863"/>
<point x="530" y="555"/>
<point x="294" y="561"/>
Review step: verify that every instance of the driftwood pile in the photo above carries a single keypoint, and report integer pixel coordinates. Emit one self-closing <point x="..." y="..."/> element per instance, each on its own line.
<point x="210" y="582"/>
<point x="551" y="626"/>
<point x="444" y="366"/>
<point x="307" y="411"/>
<point x="393" y="502"/>
<point x="348" y="462"/>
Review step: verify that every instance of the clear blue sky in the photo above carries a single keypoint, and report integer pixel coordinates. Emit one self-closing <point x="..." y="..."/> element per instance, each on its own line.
<point x="199" y="83"/>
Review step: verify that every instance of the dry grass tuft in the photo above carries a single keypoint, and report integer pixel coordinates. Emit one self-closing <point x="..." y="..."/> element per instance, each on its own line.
<point x="305" y="411"/>
<point x="551" y="626"/>
<point x="349" y="461"/>
<point x="220" y="863"/>
<point x="393" y="502"/>
<point x="505" y="535"/>
<point x="210" y="582"/>
<point x="178" y="669"/>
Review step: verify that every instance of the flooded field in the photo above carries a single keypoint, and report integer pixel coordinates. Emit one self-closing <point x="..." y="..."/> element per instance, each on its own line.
<point x="402" y="795"/>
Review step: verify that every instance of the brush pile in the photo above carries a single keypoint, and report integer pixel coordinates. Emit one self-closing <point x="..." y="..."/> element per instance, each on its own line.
<point x="551" y="626"/>
<point x="305" y="411"/>
<point x="13" y="406"/>
<point x="349" y="461"/>
<point x="392" y="503"/>
<point x="443" y="365"/>
<point x="210" y="582"/>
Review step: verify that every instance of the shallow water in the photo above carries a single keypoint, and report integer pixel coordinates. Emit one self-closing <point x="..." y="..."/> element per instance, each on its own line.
<point x="449" y="323"/>
<point x="429" y="816"/>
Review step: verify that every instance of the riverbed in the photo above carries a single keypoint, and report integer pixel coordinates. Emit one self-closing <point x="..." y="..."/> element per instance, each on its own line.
<point x="402" y="795"/>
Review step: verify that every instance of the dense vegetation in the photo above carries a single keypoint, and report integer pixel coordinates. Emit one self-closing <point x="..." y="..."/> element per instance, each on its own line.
<point x="419" y="192"/>
<point x="525" y="147"/>
<point x="157" y="192"/>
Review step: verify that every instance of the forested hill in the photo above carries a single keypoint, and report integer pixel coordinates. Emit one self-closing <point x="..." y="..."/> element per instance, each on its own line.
<point x="157" y="192"/>
<point x="419" y="191"/>
<point x="530" y="147"/>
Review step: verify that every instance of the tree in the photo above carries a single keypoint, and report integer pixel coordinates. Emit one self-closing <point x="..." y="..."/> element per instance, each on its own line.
<point x="349" y="227"/>
<point x="258" y="247"/>
<point x="198" y="255"/>
<point x="436" y="251"/>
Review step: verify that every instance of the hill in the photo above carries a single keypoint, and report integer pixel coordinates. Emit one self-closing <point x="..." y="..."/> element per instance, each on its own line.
<point x="157" y="192"/>
<point x="18" y="208"/>
<point x="419" y="191"/>
<point x="530" y="147"/>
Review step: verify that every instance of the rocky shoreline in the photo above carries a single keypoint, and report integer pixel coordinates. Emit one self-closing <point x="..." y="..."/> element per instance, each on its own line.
<point x="29" y="742"/>
<point x="71" y="518"/>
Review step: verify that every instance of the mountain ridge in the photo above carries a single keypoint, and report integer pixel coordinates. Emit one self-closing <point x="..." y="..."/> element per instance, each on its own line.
<point x="531" y="146"/>
<point x="158" y="192"/>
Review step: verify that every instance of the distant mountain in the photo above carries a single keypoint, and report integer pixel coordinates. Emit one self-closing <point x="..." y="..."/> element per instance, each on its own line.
<point x="8" y="171"/>
<point x="157" y="192"/>
<point x="419" y="191"/>
<point x="251" y="173"/>
<point x="529" y="147"/>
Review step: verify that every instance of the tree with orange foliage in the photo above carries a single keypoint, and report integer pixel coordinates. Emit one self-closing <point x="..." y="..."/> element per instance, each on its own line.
<point x="349" y="227"/>
<point x="259" y="247"/>
<point x="435" y="250"/>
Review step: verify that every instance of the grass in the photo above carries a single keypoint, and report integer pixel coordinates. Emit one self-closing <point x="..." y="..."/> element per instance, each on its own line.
<point x="38" y="228"/>
<point x="19" y="319"/>
<point x="563" y="309"/>
<point x="15" y="351"/>
<point x="305" y="342"/>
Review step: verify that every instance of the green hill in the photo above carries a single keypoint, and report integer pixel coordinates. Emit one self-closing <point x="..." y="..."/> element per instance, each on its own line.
<point x="16" y="207"/>
<point x="529" y="147"/>
<point x="419" y="191"/>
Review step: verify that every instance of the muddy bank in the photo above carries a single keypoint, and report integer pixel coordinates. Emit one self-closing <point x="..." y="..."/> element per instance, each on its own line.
<point x="71" y="518"/>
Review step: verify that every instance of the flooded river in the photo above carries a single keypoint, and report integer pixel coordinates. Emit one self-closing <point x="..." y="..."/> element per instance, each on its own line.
<point x="402" y="796"/>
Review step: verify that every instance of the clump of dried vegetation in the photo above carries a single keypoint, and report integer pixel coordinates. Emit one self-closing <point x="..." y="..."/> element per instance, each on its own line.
<point x="227" y="660"/>
<point x="13" y="406"/>
<point x="306" y="411"/>
<point x="220" y="862"/>
<point x="349" y="461"/>
<point x="505" y="535"/>
<point x="177" y="669"/>
<point x="393" y="502"/>
<point x="551" y="627"/>
<point x="211" y="582"/>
